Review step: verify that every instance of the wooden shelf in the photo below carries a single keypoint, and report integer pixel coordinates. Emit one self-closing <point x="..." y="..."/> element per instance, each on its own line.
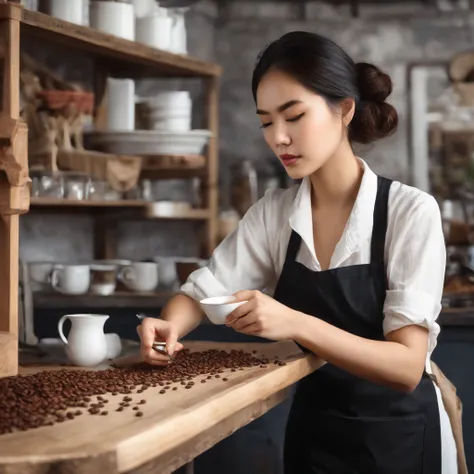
<point x="51" y="202"/>
<point x="122" y="53"/>
<point x="120" y="299"/>
<point x="65" y="204"/>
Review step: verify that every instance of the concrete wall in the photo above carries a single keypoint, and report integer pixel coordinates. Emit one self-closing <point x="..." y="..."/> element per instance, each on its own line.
<point x="391" y="37"/>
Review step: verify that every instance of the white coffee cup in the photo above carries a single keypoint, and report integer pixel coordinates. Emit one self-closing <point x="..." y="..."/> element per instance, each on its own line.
<point x="114" y="18"/>
<point x="219" y="307"/>
<point x="71" y="279"/>
<point x="40" y="274"/>
<point x="141" y="277"/>
<point x="155" y="31"/>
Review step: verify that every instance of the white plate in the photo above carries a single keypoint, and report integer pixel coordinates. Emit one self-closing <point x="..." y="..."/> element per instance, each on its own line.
<point x="151" y="142"/>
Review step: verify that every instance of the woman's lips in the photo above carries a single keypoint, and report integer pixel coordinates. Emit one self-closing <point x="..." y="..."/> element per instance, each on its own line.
<point x="289" y="160"/>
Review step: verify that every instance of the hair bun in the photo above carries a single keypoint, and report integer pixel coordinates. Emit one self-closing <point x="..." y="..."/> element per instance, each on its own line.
<point x="374" y="85"/>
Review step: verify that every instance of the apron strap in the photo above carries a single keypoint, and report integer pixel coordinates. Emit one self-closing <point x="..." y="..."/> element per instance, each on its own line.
<point x="293" y="247"/>
<point x="379" y="230"/>
<point x="377" y="251"/>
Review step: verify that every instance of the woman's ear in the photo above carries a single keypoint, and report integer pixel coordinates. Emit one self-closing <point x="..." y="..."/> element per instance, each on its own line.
<point x="347" y="111"/>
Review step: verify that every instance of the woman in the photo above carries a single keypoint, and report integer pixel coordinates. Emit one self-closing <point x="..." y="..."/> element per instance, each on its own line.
<point x="357" y="266"/>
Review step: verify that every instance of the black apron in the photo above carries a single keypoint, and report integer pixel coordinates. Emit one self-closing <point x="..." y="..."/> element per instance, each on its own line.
<point x="339" y="423"/>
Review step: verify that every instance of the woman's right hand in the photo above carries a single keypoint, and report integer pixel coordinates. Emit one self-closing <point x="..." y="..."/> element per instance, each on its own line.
<point x="158" y="330"/>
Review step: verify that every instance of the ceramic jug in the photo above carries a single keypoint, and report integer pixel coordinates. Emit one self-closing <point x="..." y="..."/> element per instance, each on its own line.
<point x="86" y="346"/>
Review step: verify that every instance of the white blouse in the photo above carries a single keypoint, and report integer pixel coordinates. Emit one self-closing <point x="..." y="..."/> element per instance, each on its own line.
<point x="415" y="254"/>
<point x="252" y="257"/>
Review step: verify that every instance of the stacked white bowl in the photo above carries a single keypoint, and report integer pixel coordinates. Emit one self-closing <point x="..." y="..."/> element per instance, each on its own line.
<point x="169" y="111"/>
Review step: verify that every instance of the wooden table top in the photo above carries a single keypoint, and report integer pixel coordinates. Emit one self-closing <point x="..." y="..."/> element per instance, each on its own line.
<point x="175" y="428"/>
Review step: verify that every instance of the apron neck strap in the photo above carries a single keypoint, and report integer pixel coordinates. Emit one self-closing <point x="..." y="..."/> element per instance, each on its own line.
<point x="377" y="250"/>
<point x="379" y="230"/>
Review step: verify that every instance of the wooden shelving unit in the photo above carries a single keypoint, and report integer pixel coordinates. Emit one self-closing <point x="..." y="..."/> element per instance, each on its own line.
<point x="120" y="299"/>
<point x="116" y="57"/>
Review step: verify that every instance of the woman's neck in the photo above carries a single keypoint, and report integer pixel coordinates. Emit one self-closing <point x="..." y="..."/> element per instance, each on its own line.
<point x="337" y="183"/>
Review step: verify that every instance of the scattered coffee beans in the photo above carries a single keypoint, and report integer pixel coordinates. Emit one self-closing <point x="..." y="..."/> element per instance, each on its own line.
<point x="43" y="399"/>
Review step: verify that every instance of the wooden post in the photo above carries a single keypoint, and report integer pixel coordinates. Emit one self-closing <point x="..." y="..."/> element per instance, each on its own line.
<point x="14" y="191"/>
<point x="211" y="184"/>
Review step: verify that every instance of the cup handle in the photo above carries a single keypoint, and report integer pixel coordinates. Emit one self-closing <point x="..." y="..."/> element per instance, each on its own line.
<point x="60" y="328"/>
<point x="54" y="279"/>
<point x="126" y="275"/>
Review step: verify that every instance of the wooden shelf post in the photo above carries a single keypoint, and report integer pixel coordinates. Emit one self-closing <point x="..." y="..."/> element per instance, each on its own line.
<point x="14" y="190"/>
<point x="211" y="182"/>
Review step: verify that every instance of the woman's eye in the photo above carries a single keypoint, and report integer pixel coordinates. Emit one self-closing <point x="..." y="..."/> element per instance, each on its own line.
<point x="295" y="119"/>
<point x="265" y="125"/>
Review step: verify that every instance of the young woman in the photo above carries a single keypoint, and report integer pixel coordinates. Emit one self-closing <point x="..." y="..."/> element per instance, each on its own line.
<point x="355" y="264"/>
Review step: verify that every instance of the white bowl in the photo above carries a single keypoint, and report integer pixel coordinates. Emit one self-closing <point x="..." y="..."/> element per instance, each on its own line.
<point x="219" y="307"/>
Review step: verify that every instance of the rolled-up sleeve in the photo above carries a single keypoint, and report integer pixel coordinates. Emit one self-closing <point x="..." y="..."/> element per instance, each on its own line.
<point x="415" y="269"/>
<point x="241" y="262"/>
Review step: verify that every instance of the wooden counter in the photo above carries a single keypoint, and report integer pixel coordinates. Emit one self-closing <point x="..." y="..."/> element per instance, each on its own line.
<point x="176" y="427"/>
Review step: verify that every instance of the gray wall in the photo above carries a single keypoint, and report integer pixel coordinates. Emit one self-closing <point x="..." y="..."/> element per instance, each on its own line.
<point x="389" y="36"/>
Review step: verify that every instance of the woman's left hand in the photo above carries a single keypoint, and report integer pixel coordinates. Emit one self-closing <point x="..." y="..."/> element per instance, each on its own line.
<point x="262" y="316"/>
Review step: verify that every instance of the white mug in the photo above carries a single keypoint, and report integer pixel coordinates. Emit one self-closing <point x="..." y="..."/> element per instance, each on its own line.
<point x="140" y="276"/>
<point x="114" y="18"/>
<point x="70" y="10"/>
<point x="40" y="274"/>
<point x="71" y="279"/>
<point x="155" y="31"/>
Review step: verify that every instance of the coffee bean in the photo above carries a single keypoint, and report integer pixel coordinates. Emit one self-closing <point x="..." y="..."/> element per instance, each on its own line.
<point x="263" y="366"/>
<point x="217" y="376"/>
<point x="51" y="394"/>
<point x="105" y="413"/>
<point x="203" y="381"/>
<point x="138" y="413"/>
<point x="225" y="379"/>
<point x="136" y="408"/>
<point x="163" y="391"/>
<point x="142" y="402"/>
<point x="78" y="412"/>
<point x="282" y="363"/>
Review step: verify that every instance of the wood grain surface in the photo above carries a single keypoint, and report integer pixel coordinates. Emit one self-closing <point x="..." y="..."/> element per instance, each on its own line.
<point x="175" y="428"/>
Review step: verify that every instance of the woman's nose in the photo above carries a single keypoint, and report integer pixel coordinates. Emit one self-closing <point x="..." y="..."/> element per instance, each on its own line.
<point x="281" y="136"/>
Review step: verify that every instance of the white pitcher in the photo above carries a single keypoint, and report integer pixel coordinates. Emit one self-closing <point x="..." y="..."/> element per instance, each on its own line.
<point x="87" y="346"/>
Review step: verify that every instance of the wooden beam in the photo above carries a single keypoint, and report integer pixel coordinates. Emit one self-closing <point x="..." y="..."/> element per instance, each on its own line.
<point x="210" y="186"/>
<point x="9" y="224"/>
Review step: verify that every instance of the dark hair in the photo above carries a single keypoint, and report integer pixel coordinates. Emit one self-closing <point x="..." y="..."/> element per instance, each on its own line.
<point x="325" y="68"/>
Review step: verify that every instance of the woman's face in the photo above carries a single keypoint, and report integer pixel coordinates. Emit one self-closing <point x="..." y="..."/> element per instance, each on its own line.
<point x="298" y="125"/>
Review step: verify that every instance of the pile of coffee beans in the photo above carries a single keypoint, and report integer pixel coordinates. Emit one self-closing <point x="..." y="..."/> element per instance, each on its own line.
<point x="51" y="397"/>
